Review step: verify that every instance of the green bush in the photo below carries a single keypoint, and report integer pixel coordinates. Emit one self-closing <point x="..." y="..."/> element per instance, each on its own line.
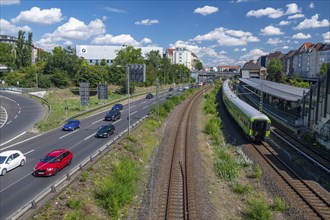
<point x="115" y="191"/>
<point x="280" y="204"/>
<point x="257" y="172"/>
<point x="226" y="166"/>
<point x="74" y="215"/>
<point x="83" y="177"/>
<point x="212" y="128"/>
<point x="74" y="204"/>
<point x="257" y="209"/>
<point x="240" y="188"/>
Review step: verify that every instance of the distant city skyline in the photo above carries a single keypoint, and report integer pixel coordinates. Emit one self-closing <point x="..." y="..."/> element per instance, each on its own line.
<point x="218" y="32"/>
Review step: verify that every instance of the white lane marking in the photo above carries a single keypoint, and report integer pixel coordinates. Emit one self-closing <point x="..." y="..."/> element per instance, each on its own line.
<point x="29" y="152"/>
<point x="145" y="106"/>
<point x="133" y="106"/>
<point x="98" y="121"/>
<point x="5" y="116"/>
<point x="89" y="137"/>
<point x="116" y="121"/>
<point x="19" y="111"/>
<point x="154" y="103"/>
<point x="143" y="102"/>
<point x="67" y="134"/>
<point x="133" y="113"/>
<point x="8" y="122"/>
<point x="12" y="139"/>
<point x="14" y="183"/>
<point x="15" y="116"/>
<point x="19" y="142"/>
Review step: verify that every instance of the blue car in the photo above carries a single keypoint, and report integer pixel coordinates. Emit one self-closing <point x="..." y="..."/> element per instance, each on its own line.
<point x="117" y="107"/>
<point x="71" y="125"/>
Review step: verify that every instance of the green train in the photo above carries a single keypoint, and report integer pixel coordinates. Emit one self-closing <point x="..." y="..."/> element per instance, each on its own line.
<point x="254" y="124"/>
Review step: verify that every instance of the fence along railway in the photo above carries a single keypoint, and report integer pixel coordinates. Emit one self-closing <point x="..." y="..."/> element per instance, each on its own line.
<point x="315" y="203"/>
<point x="178" y="200"/>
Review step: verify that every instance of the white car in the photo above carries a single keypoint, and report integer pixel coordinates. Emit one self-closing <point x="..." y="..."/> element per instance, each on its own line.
<point x="10" y="160"/>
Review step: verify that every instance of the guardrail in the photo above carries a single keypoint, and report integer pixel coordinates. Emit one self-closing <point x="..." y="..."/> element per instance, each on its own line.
<point x="70" y="176"/>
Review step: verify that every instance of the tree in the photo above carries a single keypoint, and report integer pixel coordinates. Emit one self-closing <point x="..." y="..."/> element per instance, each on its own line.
<point x="7" y="55"/>
<point x="103" y="62"/>
<point x="27" y="51"/>
<point x="19" y="49"/>
<point x="198" y="65"/>
<point x="274" y="69"/>
<point x="323" y="69"/>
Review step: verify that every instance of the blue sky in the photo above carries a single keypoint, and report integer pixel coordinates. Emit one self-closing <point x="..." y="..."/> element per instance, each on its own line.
<point x="219" y="32"/>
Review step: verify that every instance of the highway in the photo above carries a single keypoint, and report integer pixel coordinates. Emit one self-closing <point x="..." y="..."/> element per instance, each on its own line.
<point x="19" y="113"/>
<point x="19" y="186"/>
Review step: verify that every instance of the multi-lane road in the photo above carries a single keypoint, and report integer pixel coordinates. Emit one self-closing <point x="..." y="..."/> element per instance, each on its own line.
<point x="18" y="114"/>
<point x="19" y="186"/>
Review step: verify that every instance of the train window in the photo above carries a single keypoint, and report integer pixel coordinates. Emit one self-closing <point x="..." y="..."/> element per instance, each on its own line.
<point x="259" y="125"/>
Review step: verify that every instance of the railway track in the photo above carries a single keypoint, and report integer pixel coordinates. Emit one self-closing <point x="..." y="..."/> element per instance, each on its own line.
<point x="179" y="200"/>
<point x="314" y="203"/>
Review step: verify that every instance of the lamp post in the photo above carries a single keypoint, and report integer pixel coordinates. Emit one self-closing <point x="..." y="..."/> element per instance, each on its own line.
<point x="37" y="80"/>
<point x="129" y="104"/>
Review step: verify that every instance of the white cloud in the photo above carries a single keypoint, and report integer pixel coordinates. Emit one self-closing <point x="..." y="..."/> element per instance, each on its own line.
<point x="252" y="55"/>
<point x="226" y="37"/>
<point x="9" y="2"/>
<point x="274" y="41"/>
<point x="147" y="22"/>
<point x="73" y="29"/>
<point x="311" y="5"/>
<point x="35" y="15"/>
<point x="146" y="41"/>
<point x="271" y="30"/>
<point x="326" y="37"/>
<point x="275" y="13"/>
<point x="116" y="10"/>
<point x="301" y="36"/>
<point x="8" y="28"/>
<point x="292" y="9"/>
<point x="283" y="23"/>
<point x="269" y="12"/>
<point x="119" y="39"/>
<point x="285" y="47"/>
<point x="295" y="16"/>
<point x="312" y="23"/>
<point x="236" y="50"/>
<point x="206" y="10"/>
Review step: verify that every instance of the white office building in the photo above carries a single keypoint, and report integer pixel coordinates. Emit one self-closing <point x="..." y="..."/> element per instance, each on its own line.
<point x="94" y="54"/>
<point x="181" y="55"/>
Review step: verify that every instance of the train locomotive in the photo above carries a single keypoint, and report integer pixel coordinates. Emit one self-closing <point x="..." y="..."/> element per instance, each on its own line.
<point x="254" y="124"/>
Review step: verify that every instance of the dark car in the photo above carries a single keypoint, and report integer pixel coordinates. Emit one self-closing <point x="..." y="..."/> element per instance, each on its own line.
<point x="71" y="125"/>
<point x="170" y="89"/>
<point x="112" y="115"/>
<point x="53" y="162"/>
<point x="149" y="96"/>
<point x="117" y="107"/>
<point x="170" y="95"/>
<point x="105" y="130"/>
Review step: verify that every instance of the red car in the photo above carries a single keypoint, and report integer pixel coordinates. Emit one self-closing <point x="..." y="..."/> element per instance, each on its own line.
<point x="53" y="162"/>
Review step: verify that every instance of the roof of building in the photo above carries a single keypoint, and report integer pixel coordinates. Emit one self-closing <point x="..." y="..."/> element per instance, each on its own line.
<point x="251" y="66"/>
<point x="279" y="90"/>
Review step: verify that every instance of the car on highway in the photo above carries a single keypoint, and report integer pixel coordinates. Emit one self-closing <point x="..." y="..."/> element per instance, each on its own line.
<point x="112" y="115"/>
<point x="105" y="130"/>
<point x="53" y="162"/>
<point x="170" y="89"/>
<point x="71" y="125"/>
<point x="170" y="95"/>
<point x="149" y="96"/>
<point x="117" y="106"/>
<point x="10" y="160"/>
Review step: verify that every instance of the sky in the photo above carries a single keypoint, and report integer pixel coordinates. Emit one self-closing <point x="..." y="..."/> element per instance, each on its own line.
<point x="219" y="32"/>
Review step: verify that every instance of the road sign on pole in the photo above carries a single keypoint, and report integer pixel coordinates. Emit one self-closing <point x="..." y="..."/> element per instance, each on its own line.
<point x="84" y="94"/>
<point x="102" y="91"/>
<point x="134" y="73"/>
